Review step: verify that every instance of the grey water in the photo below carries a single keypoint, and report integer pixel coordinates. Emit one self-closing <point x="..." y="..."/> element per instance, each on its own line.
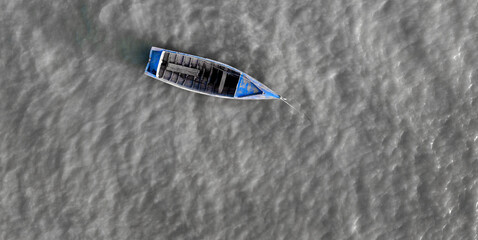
<point x="91" y="148"/>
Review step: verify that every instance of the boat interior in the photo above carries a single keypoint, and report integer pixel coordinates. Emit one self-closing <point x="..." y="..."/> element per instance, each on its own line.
<point x="198" y="74"/>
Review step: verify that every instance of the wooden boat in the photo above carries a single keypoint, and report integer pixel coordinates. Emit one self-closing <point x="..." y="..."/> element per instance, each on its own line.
<point x="205" y="76"/>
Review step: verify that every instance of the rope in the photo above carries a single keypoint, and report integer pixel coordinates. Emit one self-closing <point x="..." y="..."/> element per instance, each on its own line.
<point x="297" y="110"/>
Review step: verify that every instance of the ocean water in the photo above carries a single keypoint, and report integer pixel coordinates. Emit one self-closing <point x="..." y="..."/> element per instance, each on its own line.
<point x="91" y="148"/>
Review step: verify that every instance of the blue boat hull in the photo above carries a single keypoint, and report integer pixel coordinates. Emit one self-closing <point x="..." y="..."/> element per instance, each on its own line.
<point x="204" y="76"/>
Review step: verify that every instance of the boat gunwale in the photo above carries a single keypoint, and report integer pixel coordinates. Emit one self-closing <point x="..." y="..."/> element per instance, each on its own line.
<point x="242" y="74"/>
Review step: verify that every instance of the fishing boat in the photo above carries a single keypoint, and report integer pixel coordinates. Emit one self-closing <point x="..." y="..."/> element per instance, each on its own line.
<point x="205" y="76"/>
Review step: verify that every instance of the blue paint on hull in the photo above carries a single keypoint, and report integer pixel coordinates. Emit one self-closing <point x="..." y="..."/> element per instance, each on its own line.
<point x="154" y="57"/>
<point x="246" y="88"/>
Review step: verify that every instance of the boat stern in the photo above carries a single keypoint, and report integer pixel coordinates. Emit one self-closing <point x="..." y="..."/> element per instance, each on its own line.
<point x="155" y="58"/>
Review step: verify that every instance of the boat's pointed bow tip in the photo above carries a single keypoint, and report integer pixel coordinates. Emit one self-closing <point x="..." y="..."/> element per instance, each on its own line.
<point x="271" y="94"/>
